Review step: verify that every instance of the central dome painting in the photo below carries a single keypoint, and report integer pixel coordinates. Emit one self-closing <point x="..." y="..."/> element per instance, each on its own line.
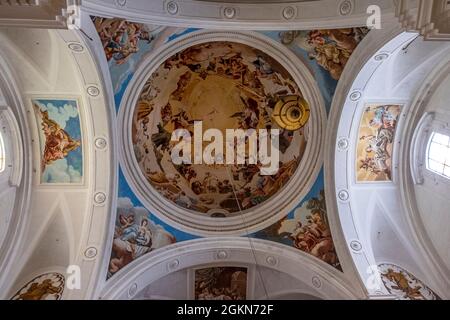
<point x="226" y="85"/>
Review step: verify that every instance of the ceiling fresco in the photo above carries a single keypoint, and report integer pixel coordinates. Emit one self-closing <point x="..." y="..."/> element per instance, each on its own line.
<point x="375" y="147"/>
<point x="221" y="283"/>
<point x="47" y="286"/>
<point x="403" y="284"/>
<point x="224" y="85"/>
<point x="222" y="72"/>
<point x="137" y="232"/>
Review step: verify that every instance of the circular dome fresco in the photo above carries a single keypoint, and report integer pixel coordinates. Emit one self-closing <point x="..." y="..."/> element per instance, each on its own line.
<point x="192" y="104"/>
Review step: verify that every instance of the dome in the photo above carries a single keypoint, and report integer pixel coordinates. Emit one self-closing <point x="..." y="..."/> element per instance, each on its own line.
<point x="216" y="129"/>
<point x="222" y="85"/>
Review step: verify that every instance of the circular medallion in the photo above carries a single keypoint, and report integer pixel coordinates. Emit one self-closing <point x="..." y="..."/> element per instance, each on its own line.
<point x="99" y="198"/>
<point x="271" y="260"/>
<point x="132" y="290"/>
<point x="100" y="143"/>
<point x="343" y="195"/>
<point x="356" y="245"/>
<point x="355" y="95"/>
<point x="343" y="144"/>
<point x="90" y="252"/>
<point x="316" y="282"/>
<point x="381" y="57"/>
<point x="93" y="91"/>
<point x="229" y="12"/>
<point x="222" y="255"/>
<point x="203" y="124"/>
<point x="172" y="7"/>
<point x="173" y="264"/>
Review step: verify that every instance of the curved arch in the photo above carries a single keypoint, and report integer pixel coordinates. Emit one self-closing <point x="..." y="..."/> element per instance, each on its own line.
<point x="293" y="294"/>
<point x="437" y="269"/>
<point x="85" y="207"/>
<point x="326" y="280"/>
<point x="22" y="179"/>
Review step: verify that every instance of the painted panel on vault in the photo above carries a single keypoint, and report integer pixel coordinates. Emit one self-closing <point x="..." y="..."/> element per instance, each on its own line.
<point x="60" y="139"/>
<point x="375" y="144"/>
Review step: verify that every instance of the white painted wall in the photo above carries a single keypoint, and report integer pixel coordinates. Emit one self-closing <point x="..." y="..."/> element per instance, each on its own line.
<point x="63" y="220"/>
<point x="375" y="214"/>
<point x="263" y="284"/>
<point x="433" y="196"/>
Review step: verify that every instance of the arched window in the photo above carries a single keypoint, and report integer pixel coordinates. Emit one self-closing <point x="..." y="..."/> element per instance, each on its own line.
<point x="438" y="155"/>
<point x="2" y="154"/>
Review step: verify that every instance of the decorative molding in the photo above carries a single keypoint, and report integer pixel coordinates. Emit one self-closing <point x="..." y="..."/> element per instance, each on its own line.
<point x="173" y="265"/>
<point x="356" y="246"/>
<point x="431" y="18"/>
<point x="271" y="261"/>
<point x="16" y="144"/>
<point x="346" y="7"/>
<point x="289" y="12"/>
<point x="75" y="47"/>
<point x="381" y="57"/>
<point x="100" y="198"/>
<point x="267" y="15"/>
<point x="121" y="3"/>
<point x="353" y="222"/>
<point x="435" y="265"/>
<point x="222" y="255"/>
<point x="343" y="144"/>
<point x="100" y="143"/>
<point x="14" y="237"/>
<point x="199" y="253"/>
<point x="340" y="214"/>
<point x="172" y="7"/>
<point x="268" y="212"/>
<point x="132" y="290"/>
<point x="93" y="91"/>
<point x="418" y="147"/>
<point x="37" y="14"/>
<point x="343" y="195"/>
<point x="229" y="12"/>
<point x="90" y="252"/>
<point x="316" y="282"/>
<point x="355" y="95"/>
